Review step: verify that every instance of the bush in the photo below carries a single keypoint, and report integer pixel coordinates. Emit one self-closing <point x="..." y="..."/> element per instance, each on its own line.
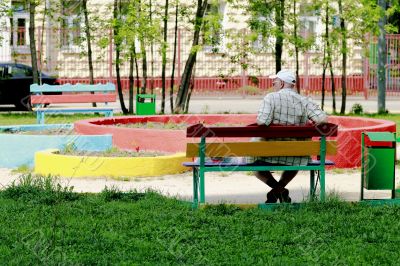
<point x="249" y="90"/>
<point x="357" y="109"/>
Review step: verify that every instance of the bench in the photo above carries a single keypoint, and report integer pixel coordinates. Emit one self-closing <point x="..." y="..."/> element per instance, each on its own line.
<point x="78" y="93"/>
<point x="317" y="145"/>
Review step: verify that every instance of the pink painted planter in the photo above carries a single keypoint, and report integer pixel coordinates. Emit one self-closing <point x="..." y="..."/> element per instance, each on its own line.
<point x="349" y="136"/>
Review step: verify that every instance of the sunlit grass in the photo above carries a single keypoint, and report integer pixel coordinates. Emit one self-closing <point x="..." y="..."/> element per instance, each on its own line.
<point x="44" y="223"/>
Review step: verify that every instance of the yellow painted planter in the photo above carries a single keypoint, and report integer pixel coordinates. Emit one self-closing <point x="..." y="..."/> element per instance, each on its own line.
<point x="50" y="162"/>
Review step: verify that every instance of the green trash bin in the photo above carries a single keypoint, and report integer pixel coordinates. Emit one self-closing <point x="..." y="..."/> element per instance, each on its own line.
<point x="379" y="171"/>
<point x="378" y="159"/>
<point x="145" y="104"/>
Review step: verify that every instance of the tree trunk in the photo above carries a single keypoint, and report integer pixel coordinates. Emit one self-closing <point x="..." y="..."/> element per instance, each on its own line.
<point x="144" y="56"/>
<point x="191" y="87"/>
<point x="344" y="58"/>
<point x="171" y="92"/>
<point x="131" y="82"/>
<point x="164" y="57"/>
<point x="144" y="65"/>
<point x="137" y="69"/>
<point x="329" y="58"/>
<point x="41" y="44"/>
<point x="116" y="12"/>
<point x="280" y="18"/>
<point x="32" y="41"/>
<point x="89" y="44"/>
<point x="187" y="72"/>
<point x="332" y="84"/>
<point x="151" y="50"/>
<point x="296" y="47"/>
<point x="325" y="59"/>
<point x="382" y="57"/>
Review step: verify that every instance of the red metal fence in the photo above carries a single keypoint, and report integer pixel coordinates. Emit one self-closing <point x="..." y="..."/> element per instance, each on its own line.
<point x="235" y="84"/>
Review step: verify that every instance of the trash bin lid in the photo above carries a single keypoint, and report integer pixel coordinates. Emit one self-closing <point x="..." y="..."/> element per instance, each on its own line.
<point x="381" y="136"/>
<point x="147" y="96"/>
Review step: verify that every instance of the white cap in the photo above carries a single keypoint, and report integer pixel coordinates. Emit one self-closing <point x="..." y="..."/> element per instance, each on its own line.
<point x="285" y="75"/>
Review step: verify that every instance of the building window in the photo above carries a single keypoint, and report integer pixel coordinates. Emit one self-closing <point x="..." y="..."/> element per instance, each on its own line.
<point x="264" y="41"/>
<point x="212" y="33"/>
<point x="263" y="44"/>
<point x="310" y="25"/>
<point x="71" y="26"/>
<point x="19" y="22"/>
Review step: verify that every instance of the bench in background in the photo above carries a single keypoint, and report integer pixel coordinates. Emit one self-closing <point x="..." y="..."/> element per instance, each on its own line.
<point x="78" y="93"/>
<point x="319" y="147"/>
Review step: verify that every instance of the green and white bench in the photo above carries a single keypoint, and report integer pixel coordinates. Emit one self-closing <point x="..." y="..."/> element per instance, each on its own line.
<point x="78" y="93"/>
<point x="210" y="145"/>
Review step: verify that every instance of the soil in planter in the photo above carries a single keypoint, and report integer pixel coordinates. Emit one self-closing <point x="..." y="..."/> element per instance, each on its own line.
<point x="54" y="131"/>
<point x="170" y="125"/>
<point x="111" y="153"/>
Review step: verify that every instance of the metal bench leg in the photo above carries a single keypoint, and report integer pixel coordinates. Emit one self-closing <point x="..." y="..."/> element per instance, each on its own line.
<point x="322" y="184"/>
<point x="40" y="117"/>
<point x="202" y="187"/>
<point x="195" y="188"/>
<point x="312" y="182"/>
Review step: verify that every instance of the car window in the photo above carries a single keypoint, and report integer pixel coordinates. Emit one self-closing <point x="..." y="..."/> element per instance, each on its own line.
<point x="17" y="72"/>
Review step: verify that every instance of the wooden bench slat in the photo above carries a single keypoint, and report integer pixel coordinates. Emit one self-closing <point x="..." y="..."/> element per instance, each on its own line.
<point x="263" y="148"/>
<point x="223" y="164"/>
<point x="72" y="110"/>
<point x="272" y="131"/>
<point x="73" y="98"/>
<point x="35" y="88"/>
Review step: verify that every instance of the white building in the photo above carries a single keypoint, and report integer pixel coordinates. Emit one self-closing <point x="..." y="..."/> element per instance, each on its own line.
<point x="5" y="50"/>
<point x="62" y="50"/>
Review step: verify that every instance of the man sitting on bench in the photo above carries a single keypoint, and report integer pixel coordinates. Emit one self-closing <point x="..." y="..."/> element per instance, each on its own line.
<point x="285" y="107"/>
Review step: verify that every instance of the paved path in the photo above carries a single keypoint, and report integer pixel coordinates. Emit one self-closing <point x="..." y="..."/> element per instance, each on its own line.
<point x="250" y="104"/>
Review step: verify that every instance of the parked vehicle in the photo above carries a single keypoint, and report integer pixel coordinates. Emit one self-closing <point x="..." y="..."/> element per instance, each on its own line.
<point x="15" y="80"/>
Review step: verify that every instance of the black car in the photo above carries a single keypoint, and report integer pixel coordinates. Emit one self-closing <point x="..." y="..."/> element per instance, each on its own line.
<point x="15" y="80"/>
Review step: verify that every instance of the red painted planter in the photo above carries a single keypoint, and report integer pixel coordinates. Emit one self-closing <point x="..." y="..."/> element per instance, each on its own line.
<point x="349" y="135"/>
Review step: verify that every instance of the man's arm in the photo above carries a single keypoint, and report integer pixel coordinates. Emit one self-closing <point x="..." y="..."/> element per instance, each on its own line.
<point x="315" y="114"/>
<point x="265" y="113"/>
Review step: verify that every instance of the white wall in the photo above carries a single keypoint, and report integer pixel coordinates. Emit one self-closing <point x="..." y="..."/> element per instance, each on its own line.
<point x="5" y="51"/>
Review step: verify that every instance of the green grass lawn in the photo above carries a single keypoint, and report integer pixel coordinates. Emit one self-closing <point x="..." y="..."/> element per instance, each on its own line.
<point x="42" y="223"/>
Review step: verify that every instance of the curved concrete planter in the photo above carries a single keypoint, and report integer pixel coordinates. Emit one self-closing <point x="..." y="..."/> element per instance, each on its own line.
<point x="17" y="149"/>
<point x="49" y="162"/>
<point x="349" y="135"/>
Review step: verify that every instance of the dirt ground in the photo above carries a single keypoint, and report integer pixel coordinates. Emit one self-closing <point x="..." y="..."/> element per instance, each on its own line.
<point x="236" y="187"/>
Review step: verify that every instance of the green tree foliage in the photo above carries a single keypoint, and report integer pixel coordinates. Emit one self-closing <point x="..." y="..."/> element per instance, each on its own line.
<point x="267" y="18"/>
